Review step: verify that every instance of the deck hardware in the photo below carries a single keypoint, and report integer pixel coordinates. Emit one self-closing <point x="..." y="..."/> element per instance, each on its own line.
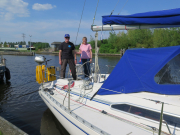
<point x="46" y="89"/>
<point x="51" y="93"/>
<point x="104" y="112"/>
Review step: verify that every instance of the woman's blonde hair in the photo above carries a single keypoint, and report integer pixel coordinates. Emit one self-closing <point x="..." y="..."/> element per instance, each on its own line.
<point x="85" y="38"/>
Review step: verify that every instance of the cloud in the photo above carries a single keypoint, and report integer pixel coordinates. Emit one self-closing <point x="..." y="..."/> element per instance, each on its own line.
<point x="41" y="31"/>
<point x="124" y="12"/>
<point x="13" y="8"/>
<point x="38" y="6"/>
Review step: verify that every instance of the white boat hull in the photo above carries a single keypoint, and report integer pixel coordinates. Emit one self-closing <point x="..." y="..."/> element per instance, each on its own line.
<point x="88" y="118"/>
<point x="70" y="124"/>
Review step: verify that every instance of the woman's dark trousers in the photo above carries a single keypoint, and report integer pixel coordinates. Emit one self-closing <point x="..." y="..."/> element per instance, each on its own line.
<point x="86" y="67"/>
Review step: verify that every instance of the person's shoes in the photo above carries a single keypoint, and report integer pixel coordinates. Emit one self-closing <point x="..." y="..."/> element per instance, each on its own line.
<point x="61" y="77"/>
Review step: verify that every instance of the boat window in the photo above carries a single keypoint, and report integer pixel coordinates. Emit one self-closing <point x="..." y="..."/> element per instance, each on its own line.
<point x="170" y="73"/>
<point x="171" y="120"/>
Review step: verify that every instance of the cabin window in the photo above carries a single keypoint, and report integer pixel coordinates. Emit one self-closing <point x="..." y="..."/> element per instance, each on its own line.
<point x="170" y="73"/>
<point x="171" y="120"/>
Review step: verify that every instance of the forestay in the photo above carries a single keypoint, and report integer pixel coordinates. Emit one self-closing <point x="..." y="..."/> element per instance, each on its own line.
<point x="136" y="71"/>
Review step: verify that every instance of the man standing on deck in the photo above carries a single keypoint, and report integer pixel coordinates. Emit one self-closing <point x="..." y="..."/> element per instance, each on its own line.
<point x="66" y="52"/>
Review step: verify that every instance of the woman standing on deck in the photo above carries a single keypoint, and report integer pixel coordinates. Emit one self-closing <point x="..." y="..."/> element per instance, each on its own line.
<point x="86" y="55"/>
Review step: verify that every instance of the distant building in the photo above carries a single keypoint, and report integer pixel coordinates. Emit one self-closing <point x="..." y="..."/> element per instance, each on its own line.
<point x="21" y="46"/>
<point x="25" y="46"/>
<point x="55" y="46"/>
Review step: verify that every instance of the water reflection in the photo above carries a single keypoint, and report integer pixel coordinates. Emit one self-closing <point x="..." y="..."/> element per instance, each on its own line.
<point x="50" y="125"/>
<point x="4" y="90"/>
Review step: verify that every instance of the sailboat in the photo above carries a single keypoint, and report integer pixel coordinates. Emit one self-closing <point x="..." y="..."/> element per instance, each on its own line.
<point x="140" y="97"/>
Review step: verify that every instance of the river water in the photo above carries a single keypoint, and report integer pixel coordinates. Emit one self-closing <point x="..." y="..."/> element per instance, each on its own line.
<point x="29" y="112"/>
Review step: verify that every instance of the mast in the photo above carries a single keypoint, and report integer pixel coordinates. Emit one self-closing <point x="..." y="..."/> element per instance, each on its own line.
<point x="96" y="58"/>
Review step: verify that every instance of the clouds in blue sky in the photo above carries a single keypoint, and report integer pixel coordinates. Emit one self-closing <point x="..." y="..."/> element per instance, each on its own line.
<point x="38" y="6"/>
<point x="48" y="21"/>
<point x="10" y="9"/>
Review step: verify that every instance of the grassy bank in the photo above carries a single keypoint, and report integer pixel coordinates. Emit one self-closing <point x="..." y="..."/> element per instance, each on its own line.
<point x="56" y="52"/>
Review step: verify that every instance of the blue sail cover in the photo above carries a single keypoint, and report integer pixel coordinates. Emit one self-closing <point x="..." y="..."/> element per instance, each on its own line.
<point x="136" y="70"/>
<point x="164" y="17"/>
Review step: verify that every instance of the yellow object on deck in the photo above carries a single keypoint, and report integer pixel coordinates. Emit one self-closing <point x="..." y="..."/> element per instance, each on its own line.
<point x="51" y="73"/>
<point x="44" y="73"/>
<point x="39" y="74"/>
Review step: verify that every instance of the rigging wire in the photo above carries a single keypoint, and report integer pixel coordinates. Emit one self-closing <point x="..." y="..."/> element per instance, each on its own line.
<point x="95" y="12"/>
<point x="123" y="7"/>
<point x="80" y="20"/>
<point x="114" y="8"/>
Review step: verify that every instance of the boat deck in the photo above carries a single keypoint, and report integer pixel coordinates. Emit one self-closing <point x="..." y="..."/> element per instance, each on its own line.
<point x="92" y="113"/>
<point x="111" y="125"/>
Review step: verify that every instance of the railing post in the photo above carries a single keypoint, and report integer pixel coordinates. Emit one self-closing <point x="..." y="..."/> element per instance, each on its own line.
<point x="69" y="94"/>
<point x="167" y="126"/>
<point x="161" y="118"/>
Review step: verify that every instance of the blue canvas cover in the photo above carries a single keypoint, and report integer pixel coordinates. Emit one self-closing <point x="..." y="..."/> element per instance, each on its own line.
<point x="136" y="70"/>
<point x="164" y="17"/>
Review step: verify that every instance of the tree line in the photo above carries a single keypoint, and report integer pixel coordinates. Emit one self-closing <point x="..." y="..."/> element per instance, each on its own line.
<point x="39" y="45"/>
<point x="140" y="38"/>
<point x="12" y="43"/>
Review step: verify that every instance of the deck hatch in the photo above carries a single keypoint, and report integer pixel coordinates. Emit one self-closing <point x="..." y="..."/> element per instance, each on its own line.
<point x="149" y="114"/>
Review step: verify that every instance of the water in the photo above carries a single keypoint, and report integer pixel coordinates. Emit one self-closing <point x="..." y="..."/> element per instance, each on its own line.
<point x="29" y="112"/>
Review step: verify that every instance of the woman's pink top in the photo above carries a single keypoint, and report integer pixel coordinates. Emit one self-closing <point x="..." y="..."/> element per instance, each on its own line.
<point x="85" y="51"/>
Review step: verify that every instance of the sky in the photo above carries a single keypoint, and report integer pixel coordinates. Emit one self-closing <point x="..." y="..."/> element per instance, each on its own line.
<point x="49" y="20"/>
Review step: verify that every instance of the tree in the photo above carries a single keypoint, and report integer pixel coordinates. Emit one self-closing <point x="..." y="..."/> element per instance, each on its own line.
<point x="5" y="44"/>
<point x="92" y="42"/>
<point x="112" y="39"/>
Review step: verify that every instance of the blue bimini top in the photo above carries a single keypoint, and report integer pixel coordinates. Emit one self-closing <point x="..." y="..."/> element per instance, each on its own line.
<point x="164" y="17"/>
<point x="136" y="71"/>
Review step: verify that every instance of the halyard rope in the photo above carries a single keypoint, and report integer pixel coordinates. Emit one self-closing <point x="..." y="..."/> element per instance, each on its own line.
<point x="80" y="21"/>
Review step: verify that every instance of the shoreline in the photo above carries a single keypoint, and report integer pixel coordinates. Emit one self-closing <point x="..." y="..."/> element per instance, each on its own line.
<point x="47" y="53"/>
<point x="99" y="54"/>
<point x="17" y="53"/>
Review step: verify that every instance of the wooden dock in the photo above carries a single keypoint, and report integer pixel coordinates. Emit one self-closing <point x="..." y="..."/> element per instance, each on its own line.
<point x="7" y="128"/>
